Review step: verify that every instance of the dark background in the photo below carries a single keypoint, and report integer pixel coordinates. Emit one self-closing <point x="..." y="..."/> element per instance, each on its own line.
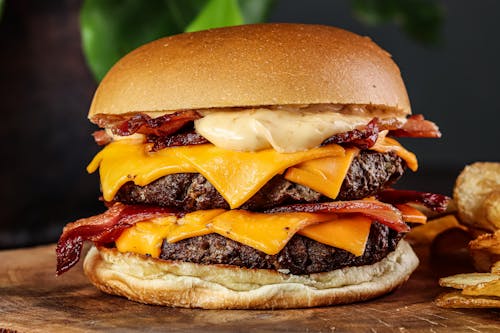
<point x="46" y="89"/>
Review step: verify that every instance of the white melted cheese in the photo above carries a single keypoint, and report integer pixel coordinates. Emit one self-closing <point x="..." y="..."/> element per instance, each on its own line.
<point x="284" y="130"/>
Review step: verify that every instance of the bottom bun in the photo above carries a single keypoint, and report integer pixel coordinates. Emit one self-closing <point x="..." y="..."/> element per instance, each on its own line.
<point x="182" y="284"/>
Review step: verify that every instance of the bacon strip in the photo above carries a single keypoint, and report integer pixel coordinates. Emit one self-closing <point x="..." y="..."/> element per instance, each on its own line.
<point x="160" y="129"/>
<point x="417" y="127"/>
<point x="125" y="125"/>
<point x="435" y="202"/>
<point x="101" y="137"/>
<point x="411" y="214"/>
<point x="362" y="138"/>
<point x="103" y="228"/>
<point x="379" y="211"/>
<point x="180" y="139"/>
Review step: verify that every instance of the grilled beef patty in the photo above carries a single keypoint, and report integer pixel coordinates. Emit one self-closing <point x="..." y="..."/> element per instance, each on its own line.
<point x="301" y="255"/>
<point x="369" y="172"/>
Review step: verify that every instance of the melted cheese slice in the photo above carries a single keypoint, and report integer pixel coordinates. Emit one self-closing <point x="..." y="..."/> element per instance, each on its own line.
<point x="146" y="237"/>
<point x="350" y="234"/>
<point x="268" y="233"/>
<point x="385" y="145"/>
<point x="192" y="225"/>
<point x="237" y="176"/>
<point x="129" y="160"/>
<point x="324" y="175"/>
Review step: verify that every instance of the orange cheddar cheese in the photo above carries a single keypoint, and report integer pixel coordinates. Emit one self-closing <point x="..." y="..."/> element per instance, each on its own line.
<point x="236" y="175"/>
<point x="347" y="233"/>
<point x="192" y="225"/>
<point x="145" y="237"/>
<point x="324" y="175"/>
<point x="385" y="145"/>
<point x="268" y="233"/>
<point x="127" y="160"/>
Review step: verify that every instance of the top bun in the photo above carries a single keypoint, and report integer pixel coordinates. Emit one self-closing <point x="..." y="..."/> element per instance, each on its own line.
<point x="252" y="65"/>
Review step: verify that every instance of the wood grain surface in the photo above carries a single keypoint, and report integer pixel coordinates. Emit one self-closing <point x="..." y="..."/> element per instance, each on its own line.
<point x="32" y="299"/>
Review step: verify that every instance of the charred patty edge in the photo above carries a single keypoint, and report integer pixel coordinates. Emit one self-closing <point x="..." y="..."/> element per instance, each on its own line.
<point x="301" y="255"/>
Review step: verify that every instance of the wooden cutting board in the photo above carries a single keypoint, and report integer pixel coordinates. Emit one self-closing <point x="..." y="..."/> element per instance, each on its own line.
<point x="32" y="299"/>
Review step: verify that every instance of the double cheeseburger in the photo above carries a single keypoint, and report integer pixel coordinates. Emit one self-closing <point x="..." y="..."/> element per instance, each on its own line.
<point x="249" y="167"/>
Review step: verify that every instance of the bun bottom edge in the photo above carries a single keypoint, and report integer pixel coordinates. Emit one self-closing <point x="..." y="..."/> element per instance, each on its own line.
<point x="188" y="285"/>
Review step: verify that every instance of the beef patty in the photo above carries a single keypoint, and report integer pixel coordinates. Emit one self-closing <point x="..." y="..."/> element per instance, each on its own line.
<point x="301" y="255"/>
<point x="369" y="172"/>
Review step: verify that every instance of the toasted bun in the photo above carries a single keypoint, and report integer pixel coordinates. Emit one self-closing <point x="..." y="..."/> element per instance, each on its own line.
<point x="252" y="65"/>
<point x="189" y="285"/>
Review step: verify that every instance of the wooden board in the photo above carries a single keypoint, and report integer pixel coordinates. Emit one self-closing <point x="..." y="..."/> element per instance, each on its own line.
<point x="32" y="299"/>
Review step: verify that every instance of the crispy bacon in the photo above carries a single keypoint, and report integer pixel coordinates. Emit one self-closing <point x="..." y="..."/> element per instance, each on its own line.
<point x="411" y="214"/>
<point x="164" y="131"/>
<point x="362" y="138"/>
<point x="365" y="137"/>
<point x="101" y="137"/>
<point x="144" y="124"/>
<point x="417" y="127"/>
<point x="435" y="202"/>
<point x="103" y="228"/>
<point x="379" y="211"/>
<point x="181" y="139"/>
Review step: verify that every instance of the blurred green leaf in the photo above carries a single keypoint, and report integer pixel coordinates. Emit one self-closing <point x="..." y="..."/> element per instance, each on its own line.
<point x="2" y="2"/>
<point x="422" y="20"/>
<point x="217" y="13"/>
<point x="112" y="28"/>
<point x="255" y="11"/>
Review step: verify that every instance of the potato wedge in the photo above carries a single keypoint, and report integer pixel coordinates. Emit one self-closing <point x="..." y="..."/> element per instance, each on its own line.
<point x="456" y="300"/>
<point x="473" y="186"/>
<point x="461" y="281"/>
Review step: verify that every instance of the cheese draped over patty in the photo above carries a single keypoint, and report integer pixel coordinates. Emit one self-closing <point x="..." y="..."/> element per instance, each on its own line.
<point x="238" y="175"/>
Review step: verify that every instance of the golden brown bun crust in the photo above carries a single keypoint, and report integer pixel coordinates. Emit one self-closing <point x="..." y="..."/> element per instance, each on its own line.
<point x="252" y="65"/>
<point x="189" y="285"/>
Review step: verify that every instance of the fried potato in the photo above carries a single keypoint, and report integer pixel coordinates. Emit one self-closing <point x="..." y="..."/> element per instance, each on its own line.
<point x="495" y="269"/>
<point x="485" y="251"/>
<point x="491" y="206"/>
<point x="456" y="300"/>
<point x="472" y="194"/>
<point x="425" y="233"/>
<point x="462" y="281"/>
<point x="491" y="288"/>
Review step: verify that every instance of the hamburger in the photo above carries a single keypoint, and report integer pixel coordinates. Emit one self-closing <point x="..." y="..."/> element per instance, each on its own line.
<point x="250" y="167"/>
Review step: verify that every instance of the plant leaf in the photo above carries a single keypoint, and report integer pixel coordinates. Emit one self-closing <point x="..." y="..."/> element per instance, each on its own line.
<point x="217" y="13"/>
<point x="420" y="19"/>
<point x="255" y="11"/>
<point x="2" y="3"/>
<point x="112" y="28"/>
